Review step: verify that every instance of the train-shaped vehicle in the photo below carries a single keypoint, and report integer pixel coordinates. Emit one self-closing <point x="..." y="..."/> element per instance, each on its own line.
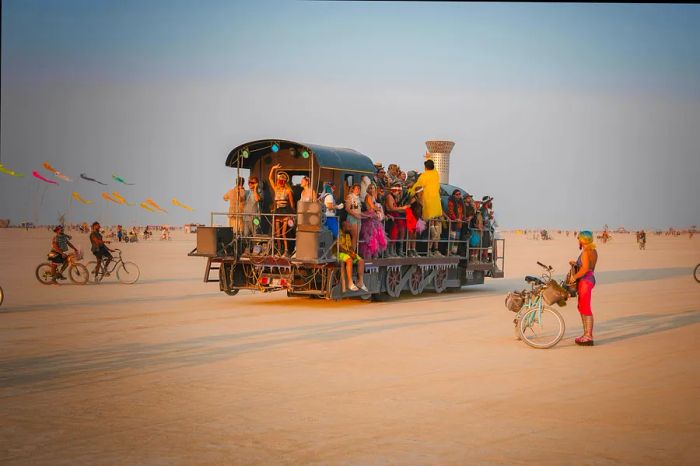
<point x="247" y="259"/>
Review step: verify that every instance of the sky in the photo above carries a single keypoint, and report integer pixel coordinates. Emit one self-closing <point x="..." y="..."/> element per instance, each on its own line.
<point x="569" y="115"/>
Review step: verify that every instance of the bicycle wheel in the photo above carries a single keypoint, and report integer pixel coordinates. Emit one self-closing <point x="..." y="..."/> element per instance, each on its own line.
<point x="542" y="329"/>
<point x="78" y="274"/>
<point x="128" y="272"/>
<point x="91" y="272"/>
<point x="697" y="273"/>
<point x="44" y="274"/>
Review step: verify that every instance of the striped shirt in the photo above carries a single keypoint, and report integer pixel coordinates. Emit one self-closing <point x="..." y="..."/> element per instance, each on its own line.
<point x="62" y="241"/>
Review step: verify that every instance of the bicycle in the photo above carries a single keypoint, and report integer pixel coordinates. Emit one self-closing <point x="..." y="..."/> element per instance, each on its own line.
<point x="536" y="323"/>
<point x="127" y="272"/>
<point x="77" y="272"/>
<point x="696" y="273"/>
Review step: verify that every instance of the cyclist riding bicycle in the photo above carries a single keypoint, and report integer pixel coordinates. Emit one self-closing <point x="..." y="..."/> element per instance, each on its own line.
<point x="99" y="248"/>
<point x="59" y="245"/>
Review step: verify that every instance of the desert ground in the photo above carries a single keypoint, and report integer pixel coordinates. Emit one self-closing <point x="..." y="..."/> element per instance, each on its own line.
<point x="171" y="371"/>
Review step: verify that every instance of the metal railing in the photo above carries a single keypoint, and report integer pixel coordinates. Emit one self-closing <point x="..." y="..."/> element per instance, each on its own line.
<point x="255" y="233"/>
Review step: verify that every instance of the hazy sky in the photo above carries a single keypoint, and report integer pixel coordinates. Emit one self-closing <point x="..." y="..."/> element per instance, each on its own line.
<point x="570" y="115"/>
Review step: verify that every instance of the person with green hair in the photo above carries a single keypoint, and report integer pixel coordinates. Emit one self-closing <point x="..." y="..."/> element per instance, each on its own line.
<point x="584" y="279"/>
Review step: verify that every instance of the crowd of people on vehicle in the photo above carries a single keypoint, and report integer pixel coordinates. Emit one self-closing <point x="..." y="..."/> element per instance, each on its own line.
<point x="390" y="214"/>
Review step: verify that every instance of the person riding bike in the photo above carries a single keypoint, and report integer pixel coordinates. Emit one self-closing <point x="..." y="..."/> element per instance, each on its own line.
<point x="99" y="248"/>
<point x="59" y="245"/>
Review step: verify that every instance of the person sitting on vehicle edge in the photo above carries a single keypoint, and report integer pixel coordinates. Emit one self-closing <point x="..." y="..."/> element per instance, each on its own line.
<point x="99" y="248"/>
<point x="349" y="257"/>
<point x="59" y="246"/>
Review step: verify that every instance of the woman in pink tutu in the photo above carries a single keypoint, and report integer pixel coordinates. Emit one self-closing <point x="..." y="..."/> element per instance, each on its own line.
<point x="373" y="238"/>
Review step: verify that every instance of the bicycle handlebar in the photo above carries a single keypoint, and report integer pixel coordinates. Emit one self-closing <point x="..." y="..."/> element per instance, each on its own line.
<point x="548" y="267"/>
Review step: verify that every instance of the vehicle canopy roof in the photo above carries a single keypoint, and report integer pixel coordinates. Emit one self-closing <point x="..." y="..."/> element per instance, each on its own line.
<point x="245" y="155"/>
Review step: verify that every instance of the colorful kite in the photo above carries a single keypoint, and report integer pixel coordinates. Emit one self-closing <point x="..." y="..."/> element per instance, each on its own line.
<point x="118" y="197"/>
<point x="150" y="202"/>
<point x="179" y="204"/>
<point x="7" y="171"/>
<point x="145" y="206"/>
<point x="38" y="176"/>
<point x="107" y="197"/>
<point x="80" y="198"/>
<point x="55" y="172"/>
<point x="85" y="177"/>
<point x="121" y="180"/>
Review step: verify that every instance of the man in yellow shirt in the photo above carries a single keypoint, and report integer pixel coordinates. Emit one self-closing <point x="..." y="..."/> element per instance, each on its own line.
<point x="429" y="180"/>
<point x="348" y="256"/>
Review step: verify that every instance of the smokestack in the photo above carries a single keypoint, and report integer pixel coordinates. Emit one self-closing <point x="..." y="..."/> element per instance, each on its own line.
<point x="439" y="153"/>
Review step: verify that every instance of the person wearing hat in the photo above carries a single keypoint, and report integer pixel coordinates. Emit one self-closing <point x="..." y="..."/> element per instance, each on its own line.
<point x="397" y="214"/>
<point x="487" y="216"/>
<point x="59" y="246"/>
<point x="283" y="207"/>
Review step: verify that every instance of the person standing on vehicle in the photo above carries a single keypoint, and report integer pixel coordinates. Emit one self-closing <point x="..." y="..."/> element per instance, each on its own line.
<point x="59" y="246"/>
<point x="236" y="199"/>
<point x="584" y="279"/>
<point x="99" y="248"/>
<point x="251" y="209"/>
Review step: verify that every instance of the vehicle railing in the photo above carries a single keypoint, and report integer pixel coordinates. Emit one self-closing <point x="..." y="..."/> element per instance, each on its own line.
<point x="454" y="240"/>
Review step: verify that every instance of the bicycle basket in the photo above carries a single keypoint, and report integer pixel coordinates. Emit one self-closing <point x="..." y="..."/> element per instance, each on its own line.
<point x="554" y="293"/>
<point x="514" y="301"/>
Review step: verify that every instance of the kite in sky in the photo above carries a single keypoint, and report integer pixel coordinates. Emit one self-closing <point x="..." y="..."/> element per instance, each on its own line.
<point x="55" y="172"/>
<point x="121" y="180"/>
<point x="150" y="202"/>
<point x="146" y="207"/>
<point x="119" y="198"/>
<point x="85" y="177"/>
<point x="7" y="171"/>
<point x="107" y="197"/>
<point x="80" y="198"/>
<point x="38" y="176"/>
<point x="179" y="204"/>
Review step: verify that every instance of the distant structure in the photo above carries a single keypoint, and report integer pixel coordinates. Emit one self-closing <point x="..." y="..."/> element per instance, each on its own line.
<point x="439" y="153"/>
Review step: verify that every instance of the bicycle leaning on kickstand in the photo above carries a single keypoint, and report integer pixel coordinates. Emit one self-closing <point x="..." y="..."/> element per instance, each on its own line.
<point x="536" y="322"/>
<point x="127" y="272"/>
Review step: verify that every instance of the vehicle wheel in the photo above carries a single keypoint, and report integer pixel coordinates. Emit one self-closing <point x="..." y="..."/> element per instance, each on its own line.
<point x="234" y="292"/>
<point x="44" y="274"/>
<point x="393" y="282"/>
<point x="415" y="280"/>
<point x="128" y="273"/>
<point x="697" y="273"/>
<point x="541" y="329"/>
<point x="78" y="274"/>
<point x="440" y="280"/>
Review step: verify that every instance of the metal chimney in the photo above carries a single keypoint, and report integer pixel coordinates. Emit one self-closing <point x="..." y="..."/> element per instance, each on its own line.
<point x="439" y="153"/>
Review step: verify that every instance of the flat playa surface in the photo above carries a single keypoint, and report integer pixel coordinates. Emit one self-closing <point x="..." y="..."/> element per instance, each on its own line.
<point x="171" y="371"/>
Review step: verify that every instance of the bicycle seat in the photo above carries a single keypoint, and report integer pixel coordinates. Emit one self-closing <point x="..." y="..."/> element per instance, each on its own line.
<point x="531" y="279"/>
